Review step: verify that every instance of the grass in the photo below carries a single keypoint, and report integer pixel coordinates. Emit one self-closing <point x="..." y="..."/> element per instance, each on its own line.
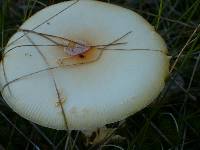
<point x="172" y="122"/>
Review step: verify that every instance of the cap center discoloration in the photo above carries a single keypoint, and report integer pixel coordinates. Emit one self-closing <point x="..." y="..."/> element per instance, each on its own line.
<point x="78" y="53"/>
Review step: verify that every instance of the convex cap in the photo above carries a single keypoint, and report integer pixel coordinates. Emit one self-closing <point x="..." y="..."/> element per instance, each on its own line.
<point x="83" y="64"/>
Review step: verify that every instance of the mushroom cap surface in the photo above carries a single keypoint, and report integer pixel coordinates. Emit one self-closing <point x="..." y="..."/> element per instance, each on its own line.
<point x="125" y="74"/>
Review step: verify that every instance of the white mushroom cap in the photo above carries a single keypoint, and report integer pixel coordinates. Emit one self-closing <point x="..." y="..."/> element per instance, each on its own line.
<point x="124" y="79"/>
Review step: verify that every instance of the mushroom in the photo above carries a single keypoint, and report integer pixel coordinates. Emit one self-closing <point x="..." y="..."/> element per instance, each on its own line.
<point x="80" y="65"/>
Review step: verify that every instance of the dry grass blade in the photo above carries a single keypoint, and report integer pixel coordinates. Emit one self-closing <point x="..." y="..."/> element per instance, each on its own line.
<point x="48" y="19"/>
<point x="54" y="81"/>
<point x="166" y="19"/>
<point x="43" y="135"/>
<point x="19" y="131"/>
<point x="75" y="140"/>
<point x="174" y="120"/>
<point x="51" y="68"/>
<point x="183" y="89"/>
<point x="187" y="43"/>
<point x="178" y="23"/>
<point x="159" y="131"/>
<point x="49" y="36"/>
<point x="25" y="76"/>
